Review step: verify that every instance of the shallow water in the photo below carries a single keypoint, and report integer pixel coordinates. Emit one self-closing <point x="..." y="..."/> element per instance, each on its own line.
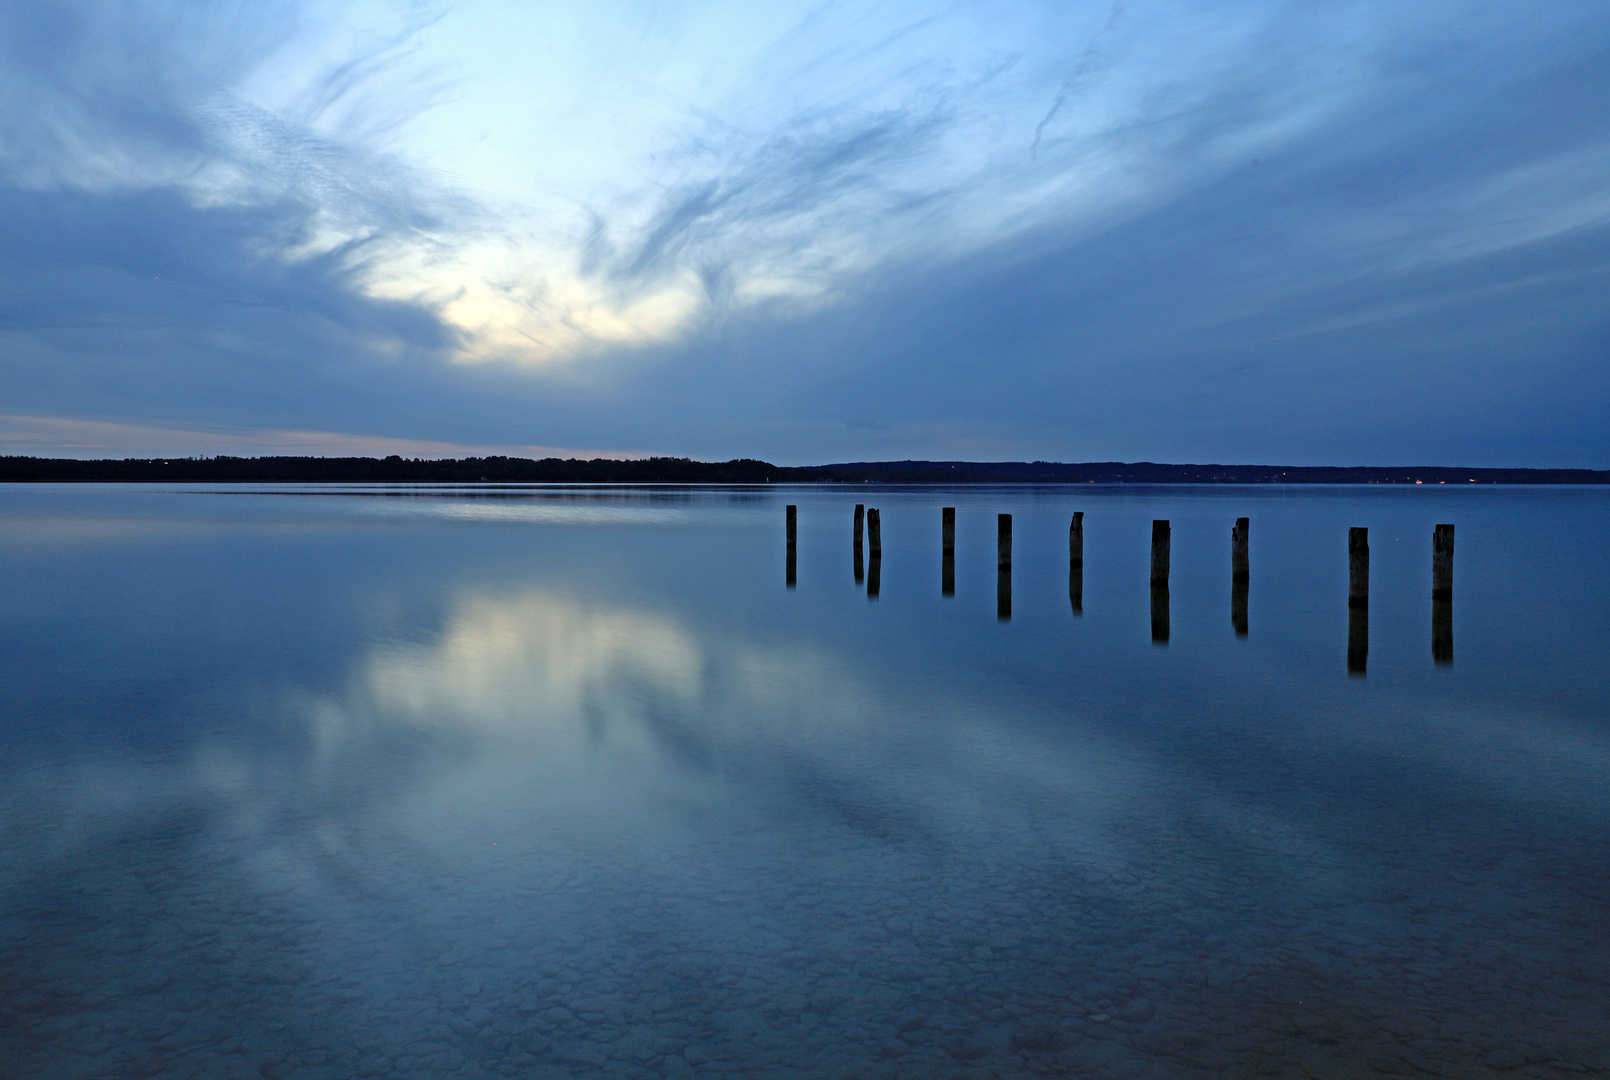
<point x="568" y="782"/>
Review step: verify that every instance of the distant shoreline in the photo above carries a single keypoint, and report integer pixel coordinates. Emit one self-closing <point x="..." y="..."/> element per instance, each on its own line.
<point x="506" y="470"/>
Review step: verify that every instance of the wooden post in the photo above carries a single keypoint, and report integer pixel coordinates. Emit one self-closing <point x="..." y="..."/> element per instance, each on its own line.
<point x="1003" y="567"/>
<point x="1160" y="553"/>
<point x="1160" y="546"/>
<point x="1076" y="562"/>
<point x="860" y="516"/>
<point x="1442" y="594"/>
<point x="874" y="570"/>
<point x="791" y="515"/>
<point x="1240" y="576"/>
<point x="947" y="548"/>
<point x="1442" y="563"/>
<point x="1358" y="639"/>
<point x="1358" y="567"/>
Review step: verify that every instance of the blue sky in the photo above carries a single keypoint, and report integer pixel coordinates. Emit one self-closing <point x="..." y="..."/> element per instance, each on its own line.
<point x="1246" y="230"/>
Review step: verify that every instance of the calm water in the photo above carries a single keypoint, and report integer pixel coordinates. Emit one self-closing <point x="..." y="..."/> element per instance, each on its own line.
<point x="571" y="784"/>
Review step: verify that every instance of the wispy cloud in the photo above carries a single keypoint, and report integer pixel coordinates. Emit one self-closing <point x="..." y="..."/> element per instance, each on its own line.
<point x="54" y="436"/>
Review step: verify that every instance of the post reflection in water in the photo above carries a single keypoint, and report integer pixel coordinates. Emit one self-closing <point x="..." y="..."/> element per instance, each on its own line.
<point x="1358" y="638"/>
<point x="1442" y="631"/>
<point x="1076" y="586"/>
<point x="1238" y="606"/>
<point x="791" y="572"/>
<point x="1159" y="614"/>
<point x="874" y="572"/>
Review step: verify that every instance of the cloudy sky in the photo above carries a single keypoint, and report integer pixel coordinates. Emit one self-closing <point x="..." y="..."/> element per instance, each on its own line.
<point x="1237" y="230"/>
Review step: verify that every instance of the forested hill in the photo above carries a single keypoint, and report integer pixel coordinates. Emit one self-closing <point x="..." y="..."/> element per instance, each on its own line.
<point x="667" y="470"/>
<point x="391" y="470"/>
<point x="1147" y="472"/>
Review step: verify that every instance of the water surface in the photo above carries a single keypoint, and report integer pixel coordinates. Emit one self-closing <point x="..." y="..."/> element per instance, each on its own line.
<point x="569" y="782"/>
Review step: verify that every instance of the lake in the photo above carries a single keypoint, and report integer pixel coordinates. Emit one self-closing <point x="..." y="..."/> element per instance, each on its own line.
<point x="555" y="782"/>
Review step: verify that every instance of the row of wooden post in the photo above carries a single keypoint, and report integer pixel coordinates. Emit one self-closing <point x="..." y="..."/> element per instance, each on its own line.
<point x="1358" y="575"/>
<point x="1358" y="597"/>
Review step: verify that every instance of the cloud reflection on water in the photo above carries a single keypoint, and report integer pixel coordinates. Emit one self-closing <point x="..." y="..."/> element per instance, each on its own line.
<point x="535" y="705"/>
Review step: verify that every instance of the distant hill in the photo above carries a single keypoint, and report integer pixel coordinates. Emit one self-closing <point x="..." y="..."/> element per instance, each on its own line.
<point x="391" y="470"/>
<point x="667" y="470"/>
<point x="1148" y="472"/>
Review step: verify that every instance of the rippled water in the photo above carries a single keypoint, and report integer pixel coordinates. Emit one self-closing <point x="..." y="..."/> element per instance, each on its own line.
<point x="570" y="783"/>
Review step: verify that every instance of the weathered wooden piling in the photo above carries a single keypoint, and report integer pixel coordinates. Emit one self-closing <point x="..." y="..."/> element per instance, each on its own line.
<point x="1160" y="614"/>
<point x="947" y="549"/>
<point x="1076" y="562"/>
<point x="1240" y="575"/>
<point x="1358" y="567"/>
<point x="1442" y="594"/>
<point x="791" y="516"/>
<point x="860" y="516"/>
<point x="1358" y="639"/>
<point x="874" y="569"/>
<point x="1160" y="542"/>
<point x="1003" y="567"/>
<point x="1442" y="563"/>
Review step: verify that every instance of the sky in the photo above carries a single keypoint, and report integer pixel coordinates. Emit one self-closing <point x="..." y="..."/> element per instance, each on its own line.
<point x="1246" y="231"/>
